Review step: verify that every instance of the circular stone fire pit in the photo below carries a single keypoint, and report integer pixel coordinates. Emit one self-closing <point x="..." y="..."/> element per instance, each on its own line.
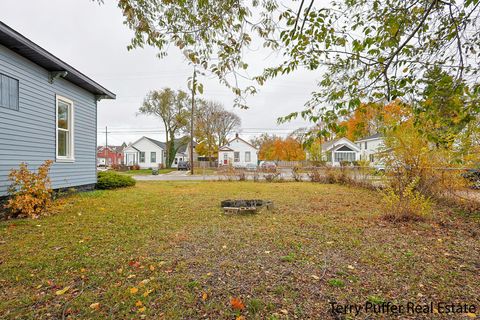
<point x="245" y="206"/>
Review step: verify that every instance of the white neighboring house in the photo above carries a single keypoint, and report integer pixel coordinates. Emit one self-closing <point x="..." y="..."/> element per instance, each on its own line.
<point x="338" y="150"/>
<point x="151" y="153"/>
<point x="237" y="152"/>
<point x="370" y="146"/>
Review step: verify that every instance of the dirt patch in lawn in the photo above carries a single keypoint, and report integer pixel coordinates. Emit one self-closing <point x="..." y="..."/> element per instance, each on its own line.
<point x="165" y="250"/>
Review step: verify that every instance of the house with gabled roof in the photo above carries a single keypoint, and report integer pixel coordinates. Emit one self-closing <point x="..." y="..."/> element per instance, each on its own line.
<point x="110" y="155"/>
<point x="340" y="150"/>
<point x="238" y="153"/>
<point x="150" y="153"/>
<point x="370" y="147"/>
<point x="48" y="111"/>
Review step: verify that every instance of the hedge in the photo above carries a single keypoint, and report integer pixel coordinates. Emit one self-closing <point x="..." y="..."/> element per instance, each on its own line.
<point x="113" y="180"/>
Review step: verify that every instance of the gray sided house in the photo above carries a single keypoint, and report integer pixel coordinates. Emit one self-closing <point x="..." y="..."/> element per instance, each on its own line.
<point x="48" y="111"/>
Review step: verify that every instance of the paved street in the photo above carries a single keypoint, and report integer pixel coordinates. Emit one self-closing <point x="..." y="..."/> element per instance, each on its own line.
<point x="185" y="175"/>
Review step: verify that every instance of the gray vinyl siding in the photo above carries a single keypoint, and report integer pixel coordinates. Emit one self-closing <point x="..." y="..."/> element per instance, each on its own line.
<point x="29" y="133"/>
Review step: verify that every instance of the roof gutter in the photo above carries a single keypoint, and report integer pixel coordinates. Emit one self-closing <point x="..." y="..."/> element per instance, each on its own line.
<point x="16" y="42"/>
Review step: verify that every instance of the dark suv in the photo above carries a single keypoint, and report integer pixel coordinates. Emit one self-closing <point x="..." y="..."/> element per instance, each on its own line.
<point x="183" y="165"/>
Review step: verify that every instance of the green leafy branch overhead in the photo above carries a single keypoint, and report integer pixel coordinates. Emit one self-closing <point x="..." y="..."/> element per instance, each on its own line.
<point x="363" y="50"/>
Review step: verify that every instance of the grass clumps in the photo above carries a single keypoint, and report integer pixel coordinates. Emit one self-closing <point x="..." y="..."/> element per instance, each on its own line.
<point x="338" y="283"/>
<point x="112" y="180"/>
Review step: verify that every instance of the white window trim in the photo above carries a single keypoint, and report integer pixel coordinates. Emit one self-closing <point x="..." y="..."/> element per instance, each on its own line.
<point x="71" y="156"/>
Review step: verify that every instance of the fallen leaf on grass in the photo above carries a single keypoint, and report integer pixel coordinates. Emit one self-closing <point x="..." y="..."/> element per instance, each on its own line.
<point x="134" y="264"/>
<point x="471" y="315"/>
<point x="142" y="309"/>
<point x="133" y="290"/>
<point x="240" y="318"/>
<point x="237" y="303"/>
<point x="350" y="267"/>
<point x="144" y="282"/>
<point x="60" y="292"/>
<point x="139" y="303"/>
<point x="152" y="268"/>
<point x="147" y="292"/>
<point x="95" y="306"/>
<point x="204" y="296"/>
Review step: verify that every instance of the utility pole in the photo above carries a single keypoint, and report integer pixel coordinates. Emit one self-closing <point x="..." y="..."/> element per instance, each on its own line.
<point x="191" y="120"/>
<point x="106" y="144"/>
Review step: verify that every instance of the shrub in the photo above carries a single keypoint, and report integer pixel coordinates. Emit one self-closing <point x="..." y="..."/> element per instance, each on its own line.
<point x="134" y="167"/>
<point x="228" y="172"/>
<point x="113" y="180"/>
<point x="30" y="193"/>
<point x="296" y="174"/>
<point x="272" y="177"/>
<point x="406" y="205"/>
<point x="315" y="176"/>
<point x="241" y="175"/>
<point x="256" y="176"/>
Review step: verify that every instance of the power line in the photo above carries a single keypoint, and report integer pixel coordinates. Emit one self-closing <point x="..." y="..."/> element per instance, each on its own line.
<point x="159" y="129"/>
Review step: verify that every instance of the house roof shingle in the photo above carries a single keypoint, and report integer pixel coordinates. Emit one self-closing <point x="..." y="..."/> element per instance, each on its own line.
<point x="182" y="141"/>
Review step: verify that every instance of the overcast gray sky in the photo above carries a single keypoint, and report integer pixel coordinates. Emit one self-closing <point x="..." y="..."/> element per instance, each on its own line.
<point x="93" y="39"/>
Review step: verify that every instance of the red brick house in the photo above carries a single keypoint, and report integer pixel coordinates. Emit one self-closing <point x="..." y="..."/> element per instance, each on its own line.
<point x="106" y="156"/>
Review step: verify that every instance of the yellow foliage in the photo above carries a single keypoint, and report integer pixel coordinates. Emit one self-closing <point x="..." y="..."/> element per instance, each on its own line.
<point x="30" y="192"/>
<point x="408" y="204"/>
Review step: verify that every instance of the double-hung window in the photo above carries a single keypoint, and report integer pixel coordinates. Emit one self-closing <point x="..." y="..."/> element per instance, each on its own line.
<point x="247" y="156"/>
<point x="153" y="157"/>
<point x="65" y="138"/>
<point x="236" y="156"/>
<point x="142" y="157"/>
<point x="8" y="92"/>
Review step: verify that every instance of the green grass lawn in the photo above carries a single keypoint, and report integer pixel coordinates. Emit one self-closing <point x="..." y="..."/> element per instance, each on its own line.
<point x="144" y="172"/>
<point x="164" y="250"/>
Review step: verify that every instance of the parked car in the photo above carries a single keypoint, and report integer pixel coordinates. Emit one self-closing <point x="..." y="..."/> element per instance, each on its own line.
<point x="183" y="165"/>
<point x="238" y="166"/>
<point x="251" y="167"/>
<point x="473" y="176"/>
<point x="268" y="166"/>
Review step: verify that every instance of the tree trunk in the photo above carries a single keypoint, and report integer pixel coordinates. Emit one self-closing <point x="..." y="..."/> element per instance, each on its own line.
<point x="171" y="149"/>
<point x="168" y="163"/>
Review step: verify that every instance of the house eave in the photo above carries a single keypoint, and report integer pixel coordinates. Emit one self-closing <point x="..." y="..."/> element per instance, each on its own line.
<point x="19" y="44"/>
